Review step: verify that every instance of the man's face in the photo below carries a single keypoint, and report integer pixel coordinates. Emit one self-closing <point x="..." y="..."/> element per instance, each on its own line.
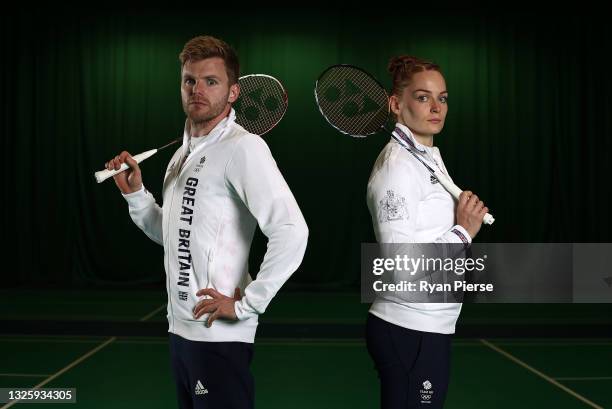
<point x="205" y="89"/>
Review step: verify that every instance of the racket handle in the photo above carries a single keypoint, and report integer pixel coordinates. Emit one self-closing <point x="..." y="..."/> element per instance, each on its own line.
<point x="102" y="175"/>
<point x="455" y="192"/>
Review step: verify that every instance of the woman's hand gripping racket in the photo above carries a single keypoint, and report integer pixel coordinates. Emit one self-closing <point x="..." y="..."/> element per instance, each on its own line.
<point x="260" y="107"/>
<point x="356" y="104"/>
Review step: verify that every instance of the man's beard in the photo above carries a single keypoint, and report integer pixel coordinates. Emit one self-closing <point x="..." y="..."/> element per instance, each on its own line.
<point x="207" y="113"/>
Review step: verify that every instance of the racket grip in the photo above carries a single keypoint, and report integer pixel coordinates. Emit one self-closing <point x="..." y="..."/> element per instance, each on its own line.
<point x="455" y="192"/>
<point x="102" y="175"/>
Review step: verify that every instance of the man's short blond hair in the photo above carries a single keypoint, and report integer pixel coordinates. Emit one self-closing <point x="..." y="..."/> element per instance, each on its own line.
<point x="202" y="47"/>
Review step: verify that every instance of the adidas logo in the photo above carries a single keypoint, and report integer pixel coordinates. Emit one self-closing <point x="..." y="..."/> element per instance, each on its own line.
<point x="200" y="389"/>
<point x="433" y="179"/>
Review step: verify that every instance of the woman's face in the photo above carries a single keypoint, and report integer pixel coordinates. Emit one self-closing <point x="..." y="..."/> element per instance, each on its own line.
<point x="423" y="104"/>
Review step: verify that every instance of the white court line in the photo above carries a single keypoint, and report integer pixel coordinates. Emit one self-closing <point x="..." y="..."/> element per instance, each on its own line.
<point x="25" y="375"/>
<point x="585" y="378"/>
<point x="65" y="369"/>
<point x="152" y="313"/>
<point x="540" y="374"/>
<point x="52" y="341"/>
<point x="555" y="343"/>
<point x="82" y="358"/>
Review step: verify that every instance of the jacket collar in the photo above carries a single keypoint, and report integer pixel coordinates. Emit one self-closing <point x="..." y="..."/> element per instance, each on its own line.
<point x="212" y="137"/>
<point x="406" y="134"/>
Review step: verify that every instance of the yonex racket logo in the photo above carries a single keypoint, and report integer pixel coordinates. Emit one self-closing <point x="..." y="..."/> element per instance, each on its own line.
<point x="262" y="103"/>
<point x="353" y="99"/>
<point x="254" y="102"/>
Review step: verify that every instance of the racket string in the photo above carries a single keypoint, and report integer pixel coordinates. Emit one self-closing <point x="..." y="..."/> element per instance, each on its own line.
<point x="352" y="101"/>
<point x="262" y="103"/>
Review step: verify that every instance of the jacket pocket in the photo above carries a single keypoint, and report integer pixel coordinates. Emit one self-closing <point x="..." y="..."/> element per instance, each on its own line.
<point x="202" y="264"/>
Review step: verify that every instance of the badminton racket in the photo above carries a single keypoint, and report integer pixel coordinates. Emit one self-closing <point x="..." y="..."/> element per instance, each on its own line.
<point x="259" y="108"/>
<point x="356" y="104"/>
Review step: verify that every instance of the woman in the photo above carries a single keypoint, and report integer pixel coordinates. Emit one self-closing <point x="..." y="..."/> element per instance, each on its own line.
<point x="410" y="342"/>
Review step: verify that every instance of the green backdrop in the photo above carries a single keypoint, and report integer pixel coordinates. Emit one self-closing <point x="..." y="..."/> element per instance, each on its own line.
<point x="528" y="128"/>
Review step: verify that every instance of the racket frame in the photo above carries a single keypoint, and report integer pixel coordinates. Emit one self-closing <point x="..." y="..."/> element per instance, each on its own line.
<point x="285" y="98"/>
<point x="372" y="78"/>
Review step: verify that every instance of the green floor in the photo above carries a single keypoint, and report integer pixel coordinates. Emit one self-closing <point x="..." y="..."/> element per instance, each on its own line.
<point x="134" y="372"/>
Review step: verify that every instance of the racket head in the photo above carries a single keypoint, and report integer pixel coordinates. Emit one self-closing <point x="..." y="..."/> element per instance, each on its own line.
<point x="262" y="103"/>
<point x="351" y="100"/>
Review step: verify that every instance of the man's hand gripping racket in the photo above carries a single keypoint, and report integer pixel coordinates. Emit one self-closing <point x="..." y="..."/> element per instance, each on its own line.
<point x="260" y="107"/>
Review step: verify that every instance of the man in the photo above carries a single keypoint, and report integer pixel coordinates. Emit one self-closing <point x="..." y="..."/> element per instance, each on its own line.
<point x="218" y="186"/>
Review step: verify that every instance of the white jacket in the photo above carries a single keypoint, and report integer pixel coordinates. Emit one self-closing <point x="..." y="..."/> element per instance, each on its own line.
<point x="211" y="206"/>
<point x="407" y="205"/>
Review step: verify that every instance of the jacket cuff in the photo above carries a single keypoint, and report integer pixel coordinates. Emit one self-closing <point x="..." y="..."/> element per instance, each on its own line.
<point x="138" y="198"/>
<point x="462" y="235"/>
<point x="241" y="313"/>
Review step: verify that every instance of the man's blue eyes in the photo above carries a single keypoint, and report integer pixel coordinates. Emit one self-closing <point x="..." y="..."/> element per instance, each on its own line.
<point x="190" y="81"/>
